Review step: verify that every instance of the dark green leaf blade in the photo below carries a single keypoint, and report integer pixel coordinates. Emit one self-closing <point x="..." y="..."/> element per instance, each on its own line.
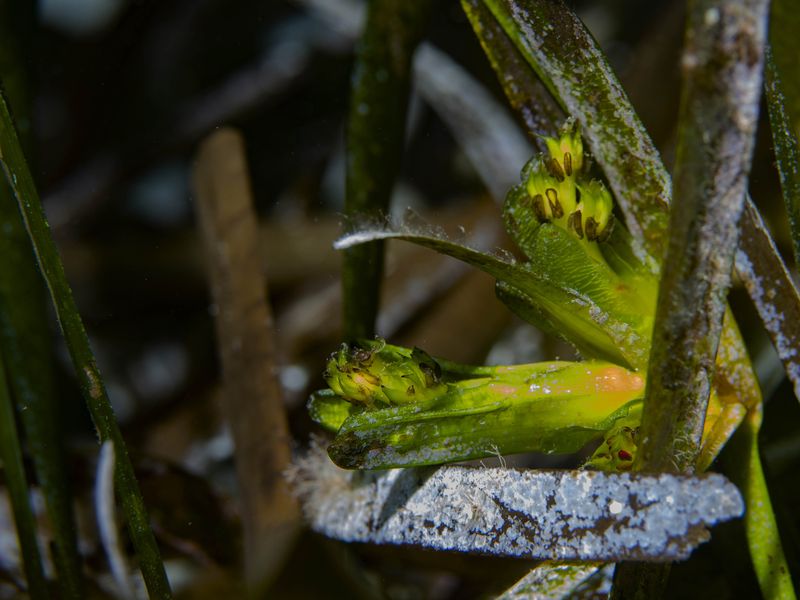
<point x="375" y="138"/>
<point x="787" y="148"/>
<point x="19" y="177"/>
<point x="25" y="336"/>
<point x="14" y="471"/>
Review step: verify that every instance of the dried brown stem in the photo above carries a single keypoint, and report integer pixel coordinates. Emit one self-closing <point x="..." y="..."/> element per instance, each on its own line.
<point x="252" y="398"/>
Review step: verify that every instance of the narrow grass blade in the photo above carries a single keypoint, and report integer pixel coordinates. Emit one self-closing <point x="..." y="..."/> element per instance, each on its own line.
<point x="787" y="149"/>
<point x="772" y="290"/>
<point x="25" y="336"/>
<point x="526" y="94"/>
<point x="375" y="138"/>
<point x="21" y="181"/>
<point x="763" y="536"/>
<point x="11" y="455"/>
<point x="783" y="27"/>
<point x="578" y="297"/>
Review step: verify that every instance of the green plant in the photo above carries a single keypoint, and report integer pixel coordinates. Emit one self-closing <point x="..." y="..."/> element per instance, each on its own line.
<point x="529" y="42"/>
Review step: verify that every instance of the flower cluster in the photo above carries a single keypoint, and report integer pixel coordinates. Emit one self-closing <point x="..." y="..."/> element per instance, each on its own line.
<point x="373" y="372"/>
<point x="555" y="190"/>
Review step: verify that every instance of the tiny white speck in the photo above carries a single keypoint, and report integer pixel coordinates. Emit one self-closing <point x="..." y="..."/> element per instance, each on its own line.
<point x="615" y="507"/>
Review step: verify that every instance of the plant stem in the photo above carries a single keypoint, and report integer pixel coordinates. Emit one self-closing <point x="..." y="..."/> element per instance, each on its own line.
<point x="719" y="113"/>
<point x="718" y="117"/>
<point x="94" y="392"/>
<point x="25" y="336"/>
<point x="252" y="398"/>
<point x="375" y="138"/>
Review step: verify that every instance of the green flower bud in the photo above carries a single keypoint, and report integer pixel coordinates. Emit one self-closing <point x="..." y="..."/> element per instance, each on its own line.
<point x="567" y="150"/>
<point x="373" y="372"/>
<point x="596" y="219"/>
<point x="618" y="449"/>
<point x="549" y="198"/>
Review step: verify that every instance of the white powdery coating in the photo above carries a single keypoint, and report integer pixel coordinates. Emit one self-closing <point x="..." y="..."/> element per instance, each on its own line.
<point x="558" y="515"/>
<point x="361" y="237"/>
<point x="771" y="317"/>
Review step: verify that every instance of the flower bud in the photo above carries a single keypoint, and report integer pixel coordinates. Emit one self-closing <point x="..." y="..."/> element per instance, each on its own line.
<point x="369" y="372"/>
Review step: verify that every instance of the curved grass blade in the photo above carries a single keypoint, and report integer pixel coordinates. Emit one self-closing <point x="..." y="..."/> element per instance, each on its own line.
<point x="763" y="537"/>
<point x="21" y="181"/>
<point x="11" y="455"/>
<point x="375" y="137"/>
<point x="585" y="298"/>
<point x="787" y="149"/>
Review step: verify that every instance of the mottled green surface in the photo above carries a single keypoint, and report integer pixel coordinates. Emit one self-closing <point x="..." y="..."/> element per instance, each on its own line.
<point x="785" y="134"/>
<point x="555" y="407"/>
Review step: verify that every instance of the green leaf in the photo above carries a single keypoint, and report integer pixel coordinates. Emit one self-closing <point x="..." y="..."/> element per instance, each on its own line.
<point x="787" y="148"/>
<point x="580" y="299"/>
<point x="329" y="410"/>
<point x="14" y="471"/>
<point x="25" y="336"/>
<point x="763" y="536"/>
<point x="375" y="138"/>
<point x="30" y="207"/>
<point x="557" y="407"/>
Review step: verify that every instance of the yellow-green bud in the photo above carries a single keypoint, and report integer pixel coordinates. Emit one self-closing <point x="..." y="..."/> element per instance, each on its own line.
<point x="566" y="151"/>
<point x="618" y="449"/>
<point x="372" y="372"/>
<point x="550" y="199"/>
<point x="595" y="211"/>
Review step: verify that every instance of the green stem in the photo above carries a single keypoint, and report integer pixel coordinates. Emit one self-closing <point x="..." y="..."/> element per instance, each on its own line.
<point x="11" y="454"/>
<point x="718" y="116"/>
<point x="718" y="119"/>
<point x="375" y="138"/>
<point x="25" y="336"/>
<point x="761" y="528"/>
<point x="30" y="207"/>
